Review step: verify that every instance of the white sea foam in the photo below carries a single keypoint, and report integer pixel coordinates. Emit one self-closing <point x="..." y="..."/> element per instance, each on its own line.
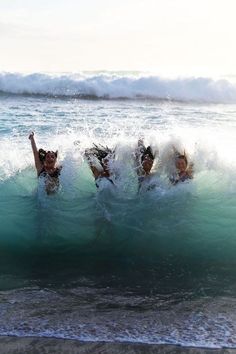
<point x="114" y="85"/>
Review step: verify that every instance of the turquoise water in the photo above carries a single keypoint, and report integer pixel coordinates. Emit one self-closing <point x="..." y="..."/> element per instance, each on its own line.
<point x="115" y="252"/>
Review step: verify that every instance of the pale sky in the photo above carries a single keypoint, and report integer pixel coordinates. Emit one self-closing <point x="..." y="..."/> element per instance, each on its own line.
<point x="176" y="37"/>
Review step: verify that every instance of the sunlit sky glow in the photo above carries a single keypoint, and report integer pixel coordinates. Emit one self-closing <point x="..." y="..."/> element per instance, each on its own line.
<point x="169" y="37"/>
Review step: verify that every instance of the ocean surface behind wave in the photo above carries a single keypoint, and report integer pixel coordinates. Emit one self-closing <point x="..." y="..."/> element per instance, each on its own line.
<point x="108" y="85"/>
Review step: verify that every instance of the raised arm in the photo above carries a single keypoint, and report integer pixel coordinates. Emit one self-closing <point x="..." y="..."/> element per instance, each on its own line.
<point x="137" y="157"/>
<point x="89" y="154"/>
<point x="38" y="164"/>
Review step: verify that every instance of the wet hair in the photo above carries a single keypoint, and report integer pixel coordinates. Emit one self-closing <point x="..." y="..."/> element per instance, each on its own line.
<point x="43" y="153"/>
<point x="100" y="152"/>
<point x="147" y="152"/>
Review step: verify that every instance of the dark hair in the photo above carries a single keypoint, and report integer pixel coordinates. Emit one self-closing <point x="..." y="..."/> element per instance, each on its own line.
<point x="147" y="152"/>
<point x="100" y="152"/>
<point x="43" y="153"/>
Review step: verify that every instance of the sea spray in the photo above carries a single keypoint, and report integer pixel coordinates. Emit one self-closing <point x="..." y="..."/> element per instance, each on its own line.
<point x="191" y="219"/>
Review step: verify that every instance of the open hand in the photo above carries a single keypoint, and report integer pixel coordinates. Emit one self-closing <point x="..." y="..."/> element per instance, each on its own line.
<point x="31" y="135"/>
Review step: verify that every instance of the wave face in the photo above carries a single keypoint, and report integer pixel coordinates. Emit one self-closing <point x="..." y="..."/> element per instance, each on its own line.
<point x="192" y="221"/>
<point x="114" y="86"/>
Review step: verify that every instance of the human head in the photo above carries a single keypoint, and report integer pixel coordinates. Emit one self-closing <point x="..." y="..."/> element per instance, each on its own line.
<point x="102" y="152"/>
<point x="50" y="158"/>
<point x="47" y="157"/>
<point x="147" y="160"/>
<point x="181" y="163"/>
<point x="105" y="163"/>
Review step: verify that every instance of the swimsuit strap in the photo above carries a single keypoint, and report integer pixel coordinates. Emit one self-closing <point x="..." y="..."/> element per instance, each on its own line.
<point x="183" y="178"/>
<point x="42" y="172"/>
<point x="54" y="174"/>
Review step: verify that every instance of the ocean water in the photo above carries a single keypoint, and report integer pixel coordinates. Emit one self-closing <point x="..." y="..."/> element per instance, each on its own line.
<point x="113" y="264"/>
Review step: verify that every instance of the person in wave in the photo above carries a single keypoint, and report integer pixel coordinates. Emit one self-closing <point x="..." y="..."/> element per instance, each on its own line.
<point x="184" y="169"/>
<point x="100" y="159"/>
<point x="144" y="157"/>
<point x="45" y="164"/>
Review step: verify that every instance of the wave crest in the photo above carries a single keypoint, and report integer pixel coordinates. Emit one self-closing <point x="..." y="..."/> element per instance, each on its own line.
<point x="116" y="86"/>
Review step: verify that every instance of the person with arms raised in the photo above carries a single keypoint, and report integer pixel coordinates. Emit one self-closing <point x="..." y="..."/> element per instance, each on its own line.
<point x="46" y="166"/>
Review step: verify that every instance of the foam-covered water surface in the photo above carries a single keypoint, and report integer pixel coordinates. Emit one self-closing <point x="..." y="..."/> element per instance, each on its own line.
<point x="153" y="266"/>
